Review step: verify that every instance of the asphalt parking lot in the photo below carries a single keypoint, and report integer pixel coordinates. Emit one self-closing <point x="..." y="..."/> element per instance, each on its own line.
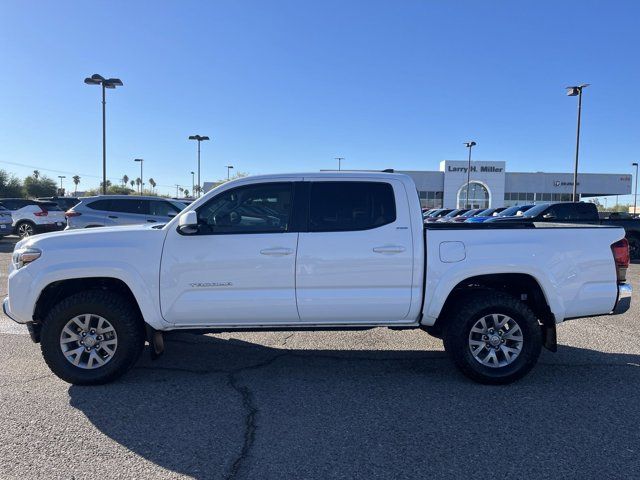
<point x="371" y="404"/>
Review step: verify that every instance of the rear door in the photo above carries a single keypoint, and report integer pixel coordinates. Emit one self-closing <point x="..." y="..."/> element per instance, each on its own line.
<point x="355" y="263"/>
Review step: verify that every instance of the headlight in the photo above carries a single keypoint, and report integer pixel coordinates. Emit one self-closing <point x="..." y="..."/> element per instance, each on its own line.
<point x="23" y="256"/>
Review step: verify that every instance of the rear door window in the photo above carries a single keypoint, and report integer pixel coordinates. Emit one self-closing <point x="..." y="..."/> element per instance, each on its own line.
<point x="132" y="206"/>
<point x="586" y="211"/>
<point x="99" y="205"/>
<point x="350" y="206"/>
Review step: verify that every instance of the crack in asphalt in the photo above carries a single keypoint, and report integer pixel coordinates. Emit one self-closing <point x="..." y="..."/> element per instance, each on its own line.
<point x="284" y="342"/>
<point x="248" y="398"/>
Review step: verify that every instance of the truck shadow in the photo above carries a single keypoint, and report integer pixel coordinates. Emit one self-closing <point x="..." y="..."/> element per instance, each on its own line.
<point x="214" y="408"/>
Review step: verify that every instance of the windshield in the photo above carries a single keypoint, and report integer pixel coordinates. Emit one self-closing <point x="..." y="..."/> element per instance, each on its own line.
<point x="534" y="211"/>
<point x="486" y="213"/>
<point x="471" y="213"/>
<point x="513" y="211"/>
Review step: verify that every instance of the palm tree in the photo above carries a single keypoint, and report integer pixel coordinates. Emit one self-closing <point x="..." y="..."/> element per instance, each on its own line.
<point x="181" y="190"/>
<point x="153" y="184"/>
<point x="36" y="174"/>
<point x="125" y="180"/>
<point x="133" y="183"/>
<point x="186" y="193"/>
<point x="76" y="181"/>
<point x="139" y="183"/>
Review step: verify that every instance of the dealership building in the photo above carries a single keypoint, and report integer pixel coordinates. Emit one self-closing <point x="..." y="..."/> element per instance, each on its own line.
<point x="490" y="185"/>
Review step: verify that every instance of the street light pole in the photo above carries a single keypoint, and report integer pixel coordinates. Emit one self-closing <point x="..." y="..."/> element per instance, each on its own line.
<point x="61" y="177"/>
<point x="469" y="145"/>
<point x="96" y="79"/>
<point x="141" y="177"/>
<point x="199" y="138"/>
<point x="192" y="182"/>
<point x="339" y="162"/>
<point x="229" y="167"/>
<point x="572" y="92"/>
<point x="635" y="195"/>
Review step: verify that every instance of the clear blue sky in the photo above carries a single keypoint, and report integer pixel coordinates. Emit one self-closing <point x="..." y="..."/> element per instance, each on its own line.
<point x="289" y="85"/>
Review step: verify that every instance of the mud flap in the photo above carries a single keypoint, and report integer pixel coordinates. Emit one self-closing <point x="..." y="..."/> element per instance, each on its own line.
<point x="156" y="342"/>
<point x="549" y="336"/>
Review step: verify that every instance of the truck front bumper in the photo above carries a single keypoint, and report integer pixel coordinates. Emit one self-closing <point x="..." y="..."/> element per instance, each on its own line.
<point x="7" y="311"/>
<point x="624" y="298"/>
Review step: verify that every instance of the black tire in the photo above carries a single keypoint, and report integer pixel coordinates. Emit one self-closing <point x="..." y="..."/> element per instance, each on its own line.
<point x="476" y="305"/>
<point x="115" y="308"/>
<point x="25" y="229"/>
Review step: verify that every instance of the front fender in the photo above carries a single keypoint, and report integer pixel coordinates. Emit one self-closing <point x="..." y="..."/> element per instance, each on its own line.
<point x="143" y="285"/>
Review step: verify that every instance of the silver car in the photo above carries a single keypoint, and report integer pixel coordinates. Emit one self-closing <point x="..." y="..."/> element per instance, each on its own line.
<point x="6" y="222"/>
<point x="112" y="210"/>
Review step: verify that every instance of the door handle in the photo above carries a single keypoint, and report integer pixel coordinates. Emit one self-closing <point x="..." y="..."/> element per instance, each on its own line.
<point x="389" y="249"/>
<point x="277" y="251"/>
<point x="112" y="216"/>
<point x="152" y="221"/>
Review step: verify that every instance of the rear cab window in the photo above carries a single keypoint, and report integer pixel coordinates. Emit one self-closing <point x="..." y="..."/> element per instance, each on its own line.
<point x="350" y="206"/>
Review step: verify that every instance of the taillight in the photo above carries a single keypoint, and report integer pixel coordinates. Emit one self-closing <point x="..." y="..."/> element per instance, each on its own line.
<point x="41" y="213"/>
<point x="620" y="251"/>
<point x="71" y="213"/>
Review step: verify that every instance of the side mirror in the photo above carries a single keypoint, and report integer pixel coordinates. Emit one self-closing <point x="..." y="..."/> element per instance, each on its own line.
<point x="188" y="222"/>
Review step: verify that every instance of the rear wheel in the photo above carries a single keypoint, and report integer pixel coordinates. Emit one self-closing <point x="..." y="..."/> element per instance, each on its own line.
<point x="25" y="229"/>
<point x="92" y="337"/>
<point x="493" y="337"/>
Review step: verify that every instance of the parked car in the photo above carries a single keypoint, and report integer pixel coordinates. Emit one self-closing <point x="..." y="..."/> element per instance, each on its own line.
<point x="6" y="222"/>
<point x="453" y="214"/>
<point x="485" y="215"/>
<point x="111" y="210"/>
<point x="579" y="212"/>
<point x="313" y="251"/>
<point x="65" y="203"/>
<point x="427" y="211"/>
<point x="31" y="216"/>
<point x="437" y="214"/>
<point x="565" y="212"/>
<point x="466" y="215"/>
<point x="514" y="211"/>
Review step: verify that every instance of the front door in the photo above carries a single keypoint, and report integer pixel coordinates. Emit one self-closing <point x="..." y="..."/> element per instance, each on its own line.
<point x="355" y="264"/>
<point x="240" y="265"/>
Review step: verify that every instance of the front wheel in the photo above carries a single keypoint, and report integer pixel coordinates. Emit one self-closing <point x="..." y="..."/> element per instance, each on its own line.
<point x="92" y="337"/>
<point x="493" y="337"/>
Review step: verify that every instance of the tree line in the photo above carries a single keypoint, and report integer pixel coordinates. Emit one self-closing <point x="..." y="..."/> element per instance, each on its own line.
<point x="39" y="185"/>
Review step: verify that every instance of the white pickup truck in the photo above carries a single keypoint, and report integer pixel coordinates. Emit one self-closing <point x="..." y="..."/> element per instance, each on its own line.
<point x="313" y="251"/>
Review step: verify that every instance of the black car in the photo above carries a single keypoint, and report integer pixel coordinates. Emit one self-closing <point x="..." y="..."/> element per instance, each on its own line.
<point x="65" y="203"/>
